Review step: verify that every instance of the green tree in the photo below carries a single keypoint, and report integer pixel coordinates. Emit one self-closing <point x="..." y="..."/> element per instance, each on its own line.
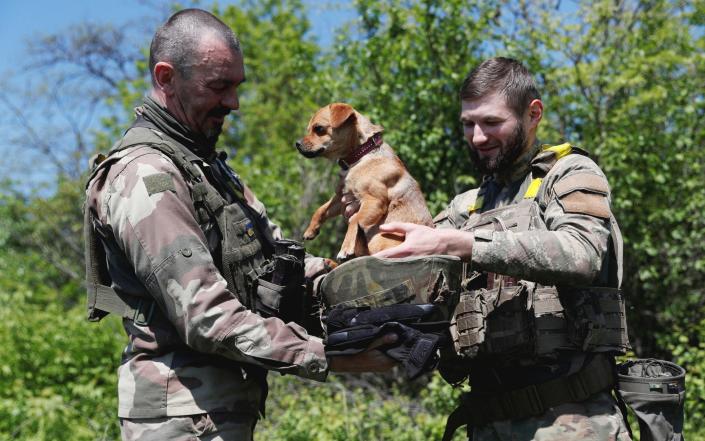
<point x="622" y="79"/>
<point x="625" y="82"/>
<point x="402" y="64"/>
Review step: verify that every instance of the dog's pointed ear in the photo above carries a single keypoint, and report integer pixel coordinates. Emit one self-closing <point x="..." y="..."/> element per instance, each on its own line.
<point x="340" y="114"/>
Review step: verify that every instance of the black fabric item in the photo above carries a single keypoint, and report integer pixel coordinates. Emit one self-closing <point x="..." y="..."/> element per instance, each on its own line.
<point x="655" y="391"/>
<point x="165" y="122"/>
<point x="351" y="330"/>
<point x="415" y="350"/>
<point x="341" y="317"/>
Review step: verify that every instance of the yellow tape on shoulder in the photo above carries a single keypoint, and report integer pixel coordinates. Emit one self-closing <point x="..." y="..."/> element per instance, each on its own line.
<point x="533" y="189"/>
<point x="477" y="205"/>
<point x="560" y="150"/>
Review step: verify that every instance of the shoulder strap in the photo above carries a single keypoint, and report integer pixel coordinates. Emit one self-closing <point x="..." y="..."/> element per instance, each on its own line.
<point x="101" y="298"/>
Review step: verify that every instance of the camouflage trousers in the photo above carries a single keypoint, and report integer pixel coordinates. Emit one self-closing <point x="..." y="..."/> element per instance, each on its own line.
<point x="216" y="426"/>
<point x="596" y="419"/>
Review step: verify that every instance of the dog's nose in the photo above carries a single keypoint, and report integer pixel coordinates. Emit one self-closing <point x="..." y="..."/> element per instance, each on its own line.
<point x="298" y="144"/>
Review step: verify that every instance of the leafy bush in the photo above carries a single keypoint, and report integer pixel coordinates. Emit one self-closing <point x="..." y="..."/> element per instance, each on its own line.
<point x="57" y="372"/>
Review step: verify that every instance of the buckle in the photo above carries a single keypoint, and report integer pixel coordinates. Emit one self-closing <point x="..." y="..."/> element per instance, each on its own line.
<point x="138" y="311"/>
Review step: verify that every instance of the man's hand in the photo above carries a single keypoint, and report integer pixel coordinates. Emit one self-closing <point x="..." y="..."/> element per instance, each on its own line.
<point x="420" y="240"/>
<point x="372" y="360"/>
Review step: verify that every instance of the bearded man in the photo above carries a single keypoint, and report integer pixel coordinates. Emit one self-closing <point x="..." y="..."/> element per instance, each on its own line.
<point x="541" y="316"/>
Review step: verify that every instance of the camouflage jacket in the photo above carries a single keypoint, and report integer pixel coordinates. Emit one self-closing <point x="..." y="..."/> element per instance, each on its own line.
<point x="573" y="249"/>
<point x="202" y="351"/>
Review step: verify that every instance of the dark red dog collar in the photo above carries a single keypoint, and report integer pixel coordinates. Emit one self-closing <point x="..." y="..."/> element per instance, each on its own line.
<point x="372" y="143"/>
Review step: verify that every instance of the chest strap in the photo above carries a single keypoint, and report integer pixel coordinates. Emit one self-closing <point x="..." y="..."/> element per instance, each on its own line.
<point x="531" y="401"/>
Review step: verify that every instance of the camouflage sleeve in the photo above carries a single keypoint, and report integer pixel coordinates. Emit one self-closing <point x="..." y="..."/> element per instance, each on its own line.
<point x="149" y="208"/>
<point x="575" y="207"/>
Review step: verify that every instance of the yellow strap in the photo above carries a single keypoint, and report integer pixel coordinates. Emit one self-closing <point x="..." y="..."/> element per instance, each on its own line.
<point x="533" y="189"/>
<point x="560" y="150"/>
<point x="477" y="205"/>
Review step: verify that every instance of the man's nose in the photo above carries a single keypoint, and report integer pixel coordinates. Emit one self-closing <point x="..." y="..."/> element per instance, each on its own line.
<point x="478" y="135"/>
<point x="231" y="99"/>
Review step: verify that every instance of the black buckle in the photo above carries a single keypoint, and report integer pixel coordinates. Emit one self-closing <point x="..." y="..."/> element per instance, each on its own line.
<point x="138" y="311"/>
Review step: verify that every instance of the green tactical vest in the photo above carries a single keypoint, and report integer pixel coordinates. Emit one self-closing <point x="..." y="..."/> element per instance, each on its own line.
<point x="502" y="318"/>
<point x="241" y="262"/>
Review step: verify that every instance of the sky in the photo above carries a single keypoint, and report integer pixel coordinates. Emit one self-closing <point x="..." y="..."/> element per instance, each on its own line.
<point x="23" y="20"/>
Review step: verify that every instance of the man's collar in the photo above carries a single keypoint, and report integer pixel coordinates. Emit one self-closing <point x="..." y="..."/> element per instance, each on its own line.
<point x="167" y="123"/>
<point x="372" y="143"/>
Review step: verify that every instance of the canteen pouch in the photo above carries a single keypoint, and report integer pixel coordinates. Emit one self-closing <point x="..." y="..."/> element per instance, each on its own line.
<point x="655" y="391"/>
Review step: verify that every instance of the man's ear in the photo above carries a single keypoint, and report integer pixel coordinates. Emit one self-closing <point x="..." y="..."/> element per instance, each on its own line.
<point x="164" y="77"/>
<point x="535" y="113"/>
<point x="340" y="114"/>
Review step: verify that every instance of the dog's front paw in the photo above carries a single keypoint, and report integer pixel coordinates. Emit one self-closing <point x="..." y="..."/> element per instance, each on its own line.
<point x="344" y="256"/>
<point x="311" y="232"/>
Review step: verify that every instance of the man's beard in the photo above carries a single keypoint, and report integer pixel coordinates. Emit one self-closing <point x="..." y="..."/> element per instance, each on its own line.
<point x="508" y="153"/>
<point x="213" y="133"/>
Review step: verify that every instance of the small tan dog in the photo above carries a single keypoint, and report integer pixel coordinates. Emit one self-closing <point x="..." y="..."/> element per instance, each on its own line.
<point x="371" y="173"/>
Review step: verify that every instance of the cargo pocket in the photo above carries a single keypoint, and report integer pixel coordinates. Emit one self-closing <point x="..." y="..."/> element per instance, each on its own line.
<point x="509" y="327"/>
<point x="268" y="298"/>
<point x="468" y="326"/>
<point x="241" y="254"/>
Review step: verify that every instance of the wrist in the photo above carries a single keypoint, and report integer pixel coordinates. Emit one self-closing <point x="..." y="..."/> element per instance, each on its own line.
<point x="459" y="243"/>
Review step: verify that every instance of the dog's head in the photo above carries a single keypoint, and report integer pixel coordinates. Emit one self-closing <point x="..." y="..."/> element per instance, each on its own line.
<point x="334" y="131"/>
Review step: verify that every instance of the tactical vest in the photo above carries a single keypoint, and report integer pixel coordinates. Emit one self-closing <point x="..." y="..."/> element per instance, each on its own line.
<point x="504" y="319"/>
<point x="243" y="263"/>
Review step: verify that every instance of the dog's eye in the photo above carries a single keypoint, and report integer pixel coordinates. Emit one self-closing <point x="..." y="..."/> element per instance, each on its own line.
<point x="319" y="130"/>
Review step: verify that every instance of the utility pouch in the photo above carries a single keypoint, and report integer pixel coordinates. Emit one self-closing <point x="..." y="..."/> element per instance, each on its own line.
<point x="493" y="322"/>
<point x="598" y="319"/>
<point x="277" y="287"/>
<point x="655" y="391"/>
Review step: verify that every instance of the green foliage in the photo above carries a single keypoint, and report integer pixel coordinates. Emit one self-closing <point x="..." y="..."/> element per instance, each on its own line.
<point x="341" y="410"/>
<point x="402" y="66"/>
<point x="57" y="372"/>
<point x="624" y="81"/>
<point x="280" y="63"/>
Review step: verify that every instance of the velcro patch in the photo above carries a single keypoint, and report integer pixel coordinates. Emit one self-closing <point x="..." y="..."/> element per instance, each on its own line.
<point x="159" y="183"/>
<point x="583" y="202"/>
<point x="581" y="181"/>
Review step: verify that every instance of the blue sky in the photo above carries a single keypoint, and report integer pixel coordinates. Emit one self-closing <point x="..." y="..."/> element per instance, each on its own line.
<point x="24" y="20"/>
<point x="21" y="20"/>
